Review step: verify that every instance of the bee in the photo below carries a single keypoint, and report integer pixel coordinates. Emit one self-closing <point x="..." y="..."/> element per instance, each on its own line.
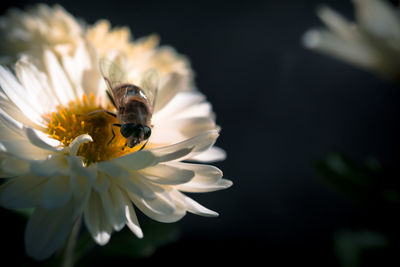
<point x="134" y="104"/>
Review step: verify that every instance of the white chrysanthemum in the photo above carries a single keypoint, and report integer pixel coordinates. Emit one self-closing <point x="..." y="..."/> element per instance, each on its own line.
<point x="372" y="43"/>
<point x="59" y="162"/>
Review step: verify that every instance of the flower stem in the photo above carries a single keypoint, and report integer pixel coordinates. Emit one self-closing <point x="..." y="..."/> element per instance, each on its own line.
<point x="69" y="259"/>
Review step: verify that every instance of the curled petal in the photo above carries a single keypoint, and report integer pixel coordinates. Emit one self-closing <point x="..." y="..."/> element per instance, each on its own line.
<point x="180" y="151"/>
<point x="192" y="206"/>
<point x="75" y="144"/>
<point x="167" y="174"/>
<point x="41" y="140"/>
<point x="159" y="209"/>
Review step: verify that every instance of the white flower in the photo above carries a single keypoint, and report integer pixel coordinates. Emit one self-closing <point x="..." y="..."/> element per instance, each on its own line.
<point x="372" y="43"/>
<point x="59" y="161"/>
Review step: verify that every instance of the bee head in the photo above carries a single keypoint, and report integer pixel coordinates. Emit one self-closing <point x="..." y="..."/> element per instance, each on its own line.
<point x="135" y="133"/>
<point x="130" y="129"/>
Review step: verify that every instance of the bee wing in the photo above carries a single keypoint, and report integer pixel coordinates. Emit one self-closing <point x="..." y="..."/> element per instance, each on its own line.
<point x="149" y="85"/>
<point x="112" y="74"/>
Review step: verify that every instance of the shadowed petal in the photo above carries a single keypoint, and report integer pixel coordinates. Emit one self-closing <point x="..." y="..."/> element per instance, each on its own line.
<point x="96" y="220"/>
<point x="47" y="231"/>
<point x="22" y="192"/>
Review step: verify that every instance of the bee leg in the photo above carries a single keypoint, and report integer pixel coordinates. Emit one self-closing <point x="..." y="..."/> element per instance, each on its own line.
<point x="111" y="98"/>
<point x="144" y="145"/>
<point x="112" y="130"/>
<point x="102" y="110"/>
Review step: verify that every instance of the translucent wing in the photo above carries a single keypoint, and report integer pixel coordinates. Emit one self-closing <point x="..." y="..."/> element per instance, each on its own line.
<point x="112" y="74"/>
<point x="149" y="85"/>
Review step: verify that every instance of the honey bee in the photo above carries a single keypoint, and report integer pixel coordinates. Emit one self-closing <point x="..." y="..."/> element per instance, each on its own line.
<point x="134" y="104"/>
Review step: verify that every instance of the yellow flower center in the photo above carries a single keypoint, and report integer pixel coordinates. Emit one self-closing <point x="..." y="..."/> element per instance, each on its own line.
<point x="84" y="116"/>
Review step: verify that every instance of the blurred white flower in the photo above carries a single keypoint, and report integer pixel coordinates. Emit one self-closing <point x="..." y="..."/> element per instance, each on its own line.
<point x="373" y="42"/>
<point x="58" y="159"/>
<point x="41" y="28"/>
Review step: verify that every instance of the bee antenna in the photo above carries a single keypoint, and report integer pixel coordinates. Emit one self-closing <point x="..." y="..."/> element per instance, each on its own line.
<point x="143" y="145"/>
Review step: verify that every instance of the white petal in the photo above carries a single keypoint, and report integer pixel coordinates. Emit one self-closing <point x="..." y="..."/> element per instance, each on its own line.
<point x="203" y="109"/>
<point x="123" y="178"/>
<point x="357" y="53"/>
<point x="131" y="219"/>
<point x="76" y="66"/>
<point x="36" y="84"/>
<point x="191" y="147"/>
<point x="78" y="169"/>
<point x="14" y="166"/>
<point x="200" y="188"/>
<point x="92" y="81"/>
<point x="379" y="18"/>
<point x="194" y="126"/>
<point x="113" y="203"/>
<point x="192" y="206"/>
<point x="134" y="185"/>
<point x="57" y="192"/>
<point x="207" y="178"/>
<point x="180" y="151"/>
<point x="47" y="231"/>
<point x="54" y="165"/>
<point x="166" y="174"/>
<point x="96" y="220"/>
<point x="101" y="183"/>
<point x="10" y="129"/>
<point x="180" y="102"/>
<point x="9" y="109"/>
<point x="112" y="170"/>
<point x="18" y="95"/>
<point x="61" y="85"/>
<point x="137" y="160"/>
<point x="23" y="149"/>
<point x="169" y="86"/>
<point x="172" y="131"/>
<point x="22" y="192"/>
<point x="41" y="140"/>
<point x="211" y="155"/>
<point x="81" y="190"/>
<point x="337" y="23"/>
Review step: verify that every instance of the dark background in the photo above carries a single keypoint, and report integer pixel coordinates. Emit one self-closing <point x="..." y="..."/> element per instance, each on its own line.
<point x="281" y="108"/>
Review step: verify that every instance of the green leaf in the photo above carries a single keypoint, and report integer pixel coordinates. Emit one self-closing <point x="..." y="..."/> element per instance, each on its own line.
<point x="344" y="174"/>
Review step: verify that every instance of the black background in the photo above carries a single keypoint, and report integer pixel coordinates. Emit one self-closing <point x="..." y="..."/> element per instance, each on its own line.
<point x="281" y="108"/>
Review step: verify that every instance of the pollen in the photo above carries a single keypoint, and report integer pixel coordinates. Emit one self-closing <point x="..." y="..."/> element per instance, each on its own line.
<point x="85" y="116"/>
